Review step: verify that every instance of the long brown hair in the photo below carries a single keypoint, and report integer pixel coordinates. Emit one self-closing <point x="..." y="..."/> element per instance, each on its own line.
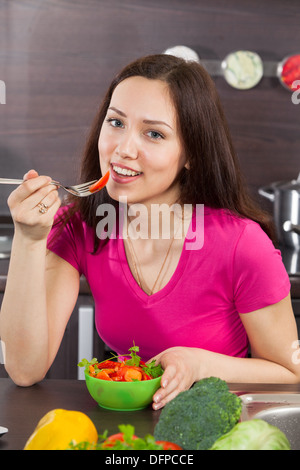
<point x="213" y="177"/>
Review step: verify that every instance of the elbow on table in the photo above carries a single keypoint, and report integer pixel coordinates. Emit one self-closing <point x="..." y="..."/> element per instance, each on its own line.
<point x="295" y="378"/>
<point x="23" y="378"/>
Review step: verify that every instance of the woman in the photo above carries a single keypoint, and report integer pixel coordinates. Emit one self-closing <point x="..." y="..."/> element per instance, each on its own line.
<point x="162" y="134"/>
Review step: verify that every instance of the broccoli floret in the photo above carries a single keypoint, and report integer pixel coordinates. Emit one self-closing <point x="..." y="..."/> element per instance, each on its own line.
<point x="197" y="417"/>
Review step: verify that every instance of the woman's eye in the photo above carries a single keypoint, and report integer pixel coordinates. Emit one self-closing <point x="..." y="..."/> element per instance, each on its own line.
<point x="115" y="122"/>
<point x="155" y="135"/>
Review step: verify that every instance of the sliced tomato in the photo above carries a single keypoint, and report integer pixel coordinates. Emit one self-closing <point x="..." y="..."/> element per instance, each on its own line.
<point x="169" y="445"/>
<point x="107" y="365"/>
<point x="116" y="378"/>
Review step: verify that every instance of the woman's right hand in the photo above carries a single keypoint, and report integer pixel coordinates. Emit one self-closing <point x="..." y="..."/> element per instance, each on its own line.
<point x="23" y="204"/>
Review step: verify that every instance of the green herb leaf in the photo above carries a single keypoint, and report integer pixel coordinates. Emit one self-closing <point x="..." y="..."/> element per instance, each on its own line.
<point x="128" y="432"/>
<point x="135" y="359"/>
<point x="153" y="369"/>
<point x="85" y="363"/>
<point x="147" y="443"/>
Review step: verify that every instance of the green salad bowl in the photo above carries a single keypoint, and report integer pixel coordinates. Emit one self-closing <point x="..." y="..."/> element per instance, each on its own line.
<point x="122" y="396"/>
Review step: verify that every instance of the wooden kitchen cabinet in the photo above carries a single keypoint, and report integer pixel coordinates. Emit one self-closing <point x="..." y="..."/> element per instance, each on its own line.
<point x="68" y="356"/>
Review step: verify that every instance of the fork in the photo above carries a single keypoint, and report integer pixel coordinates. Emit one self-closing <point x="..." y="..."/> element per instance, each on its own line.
<point x="80" y="190"/>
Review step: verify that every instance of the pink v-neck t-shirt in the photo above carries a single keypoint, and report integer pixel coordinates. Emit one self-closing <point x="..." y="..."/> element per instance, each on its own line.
<point x="235" y="271"/>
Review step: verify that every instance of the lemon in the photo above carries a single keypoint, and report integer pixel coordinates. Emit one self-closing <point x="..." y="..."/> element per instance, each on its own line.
<point x="58" y="428"/>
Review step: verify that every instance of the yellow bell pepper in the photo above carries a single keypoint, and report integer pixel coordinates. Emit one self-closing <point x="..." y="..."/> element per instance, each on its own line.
<point x="58" y="428"/>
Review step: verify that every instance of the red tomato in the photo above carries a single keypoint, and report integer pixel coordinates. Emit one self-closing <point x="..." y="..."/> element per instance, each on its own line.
<point x="169" y="445"/>
<point x="111" y="440"/>
<point x="107" y="364"/>
<point x="146" y="376"/>
<point x="115" y="377"/>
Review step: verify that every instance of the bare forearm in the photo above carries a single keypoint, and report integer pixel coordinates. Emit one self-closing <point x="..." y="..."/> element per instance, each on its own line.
<point x="247" y="370"/>
<point x="23" y="318"/>
<point x="185" y="366"/>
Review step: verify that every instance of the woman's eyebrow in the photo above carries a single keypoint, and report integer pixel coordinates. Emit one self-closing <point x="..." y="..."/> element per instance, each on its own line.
<point x="146" y="121"/>
<point x="117" y="111"/>
<point x="149" y="121"/>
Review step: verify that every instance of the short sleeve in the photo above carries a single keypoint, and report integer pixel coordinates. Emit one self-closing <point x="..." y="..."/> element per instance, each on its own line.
<point x="65" y="240"/>
<point x="259" y="276"/>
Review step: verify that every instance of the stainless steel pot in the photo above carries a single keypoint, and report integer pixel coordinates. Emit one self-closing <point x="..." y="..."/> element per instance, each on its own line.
<point x="285" y="196"/>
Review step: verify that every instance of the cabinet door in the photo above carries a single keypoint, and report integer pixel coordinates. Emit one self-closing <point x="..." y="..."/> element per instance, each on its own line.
<point x="80" y="338"/>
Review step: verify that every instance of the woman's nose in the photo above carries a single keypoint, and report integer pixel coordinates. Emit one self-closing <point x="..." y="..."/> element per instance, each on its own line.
<point x="128" y="145"/>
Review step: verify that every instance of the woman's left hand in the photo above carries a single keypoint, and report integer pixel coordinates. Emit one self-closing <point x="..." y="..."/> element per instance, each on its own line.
<point x="181" y="369"/>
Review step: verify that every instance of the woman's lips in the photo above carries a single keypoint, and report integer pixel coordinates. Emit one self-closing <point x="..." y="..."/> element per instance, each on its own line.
<point x="122" y="179"/>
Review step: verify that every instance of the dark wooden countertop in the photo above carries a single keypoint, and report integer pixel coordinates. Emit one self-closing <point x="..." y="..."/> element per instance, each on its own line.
<point x="22" y="408"/>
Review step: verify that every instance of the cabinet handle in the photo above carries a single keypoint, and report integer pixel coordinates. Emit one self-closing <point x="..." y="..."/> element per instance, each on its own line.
<point x="2" y="352"/>
<point x="85" y="336"/>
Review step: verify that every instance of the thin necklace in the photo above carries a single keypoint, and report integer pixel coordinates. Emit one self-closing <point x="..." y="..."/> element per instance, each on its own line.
<point x="133" y="256"/>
